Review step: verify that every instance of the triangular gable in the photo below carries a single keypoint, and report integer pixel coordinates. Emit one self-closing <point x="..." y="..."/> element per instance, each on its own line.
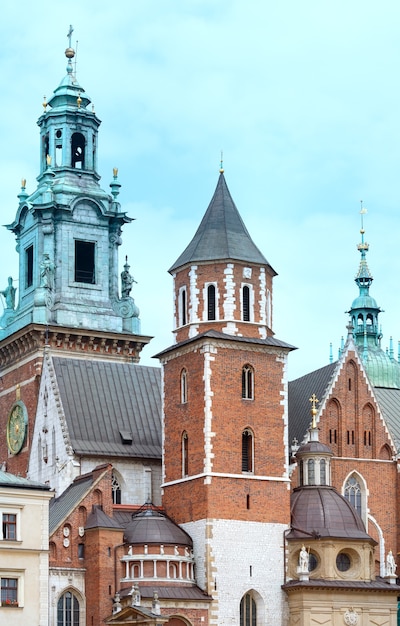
<point x="135" y="615"/>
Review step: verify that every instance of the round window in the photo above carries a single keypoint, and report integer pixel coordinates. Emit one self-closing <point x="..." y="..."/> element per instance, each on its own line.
<point x="343" y="562"/>
<point x="312" y="562"/>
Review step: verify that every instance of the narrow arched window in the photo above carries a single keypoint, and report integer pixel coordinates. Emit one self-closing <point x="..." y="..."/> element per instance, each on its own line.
<point x="248" y="611"/>
<point x="246" y="303"/>
<point x="68" y="610"/>
<point x="185" y="454"/>
<point x="322" y="472"/>
<point x="247" y="451"/>
<point x="182" y="307"/>
<point x="116" y="490"/>
<point x="183" y="386"/>
<point x="78" y="151"/>
<point x="352" y="491"/>
<point x="247" y="382"/>
<point x="311" y="471"/>
<point x="211" y="304"/>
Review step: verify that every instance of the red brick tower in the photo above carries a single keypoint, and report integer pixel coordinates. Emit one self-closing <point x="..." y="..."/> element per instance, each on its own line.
<point x="225" y="399"/>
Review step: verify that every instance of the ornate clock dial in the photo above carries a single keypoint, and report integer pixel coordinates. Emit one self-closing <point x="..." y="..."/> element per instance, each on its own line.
<point x="16" y="429"/>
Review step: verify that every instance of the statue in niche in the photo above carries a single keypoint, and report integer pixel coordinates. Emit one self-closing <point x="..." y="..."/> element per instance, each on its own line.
<point x="127" y="280"/>
<point x="46" y="272"/>
<point x="304" y="558"/>
<point x="390" y="564"/>
<point x="9" y="294"/>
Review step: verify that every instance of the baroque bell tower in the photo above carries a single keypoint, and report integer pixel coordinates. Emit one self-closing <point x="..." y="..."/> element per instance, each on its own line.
<point x="69" y="296"/>
<point x="225" y="417"/>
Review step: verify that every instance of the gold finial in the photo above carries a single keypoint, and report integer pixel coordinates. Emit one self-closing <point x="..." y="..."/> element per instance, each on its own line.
<point x="23" y="183"/>
<point x="79" y="100"/>
<point x="314" y="411"/>
<point x="115" y="172"/>
<point x="44" y="104"/>
<point x="18" y="392"/>
<point x="221" y="167"/>
<point x="48" y="160"/>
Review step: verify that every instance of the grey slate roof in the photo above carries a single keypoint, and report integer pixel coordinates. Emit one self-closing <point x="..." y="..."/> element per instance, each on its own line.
<point x="98" y="519"/>
<point x="61" y="507"/>
<point x="389" y="403"/>
<point x="379" y="584"/>
<point x="221" y="234"/>
<point x="299" y="392"/>
<point x="216" y="334"/>
<point x="165" y="592"/>
<point x="112" y="409"/>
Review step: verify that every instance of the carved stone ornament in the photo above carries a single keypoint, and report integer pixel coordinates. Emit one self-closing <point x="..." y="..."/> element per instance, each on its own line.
<point x="351" y="617"/>
<point x="81" y="531"/>
<point x="247" y="272"/>
<point x="66" y="531"/>
<point x="66" y="542"/>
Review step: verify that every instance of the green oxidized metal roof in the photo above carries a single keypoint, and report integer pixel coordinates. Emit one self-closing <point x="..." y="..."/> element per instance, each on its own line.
<point x="221" y="234"/>
<point x="383" y="371"/>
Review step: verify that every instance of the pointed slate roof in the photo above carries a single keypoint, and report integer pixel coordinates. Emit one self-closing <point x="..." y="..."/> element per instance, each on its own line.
<point x="221" y="234"/>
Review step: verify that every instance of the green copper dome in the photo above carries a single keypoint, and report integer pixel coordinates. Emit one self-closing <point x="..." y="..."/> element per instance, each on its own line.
<point x="382" y="370"/>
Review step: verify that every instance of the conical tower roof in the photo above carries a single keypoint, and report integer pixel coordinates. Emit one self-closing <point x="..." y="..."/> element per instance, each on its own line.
<point x="221" y="235"/>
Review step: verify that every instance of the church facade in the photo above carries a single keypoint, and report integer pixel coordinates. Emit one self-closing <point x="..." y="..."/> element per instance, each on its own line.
<point x="178" y="499"/>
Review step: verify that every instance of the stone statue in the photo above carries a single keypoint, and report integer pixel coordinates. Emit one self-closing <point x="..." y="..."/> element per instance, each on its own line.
<point x="46" y="272"/>
<point x="304" y="558"/>
<point x="130" y="551"/>
<point x="9" y="294"/>
<point x="127" y="280"/>
<point x="390" y="564"/>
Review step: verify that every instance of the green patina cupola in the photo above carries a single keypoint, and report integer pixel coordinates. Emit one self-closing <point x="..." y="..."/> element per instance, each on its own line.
<point x="383" y="370"/>
<point x="68" y="230"/>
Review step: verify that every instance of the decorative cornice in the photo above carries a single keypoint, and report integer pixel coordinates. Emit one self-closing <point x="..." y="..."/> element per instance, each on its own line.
<point x="77" y="342"/>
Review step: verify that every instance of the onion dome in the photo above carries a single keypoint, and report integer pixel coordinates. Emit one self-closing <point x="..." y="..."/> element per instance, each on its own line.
<point x="149" y="526"/>
<point x="320" y="512"/>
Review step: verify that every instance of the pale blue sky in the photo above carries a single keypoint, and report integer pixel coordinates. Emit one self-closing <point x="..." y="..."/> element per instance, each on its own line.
<point x="303" y="98"/>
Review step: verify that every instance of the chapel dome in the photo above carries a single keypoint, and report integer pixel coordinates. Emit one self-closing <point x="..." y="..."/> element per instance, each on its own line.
<point x="150" y="526"/>
<point x="320" y="512"/>
<point x="383" y="371"/>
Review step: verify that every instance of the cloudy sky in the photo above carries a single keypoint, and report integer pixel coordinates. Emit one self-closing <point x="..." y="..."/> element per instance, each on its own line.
<point x="303" y="99"/>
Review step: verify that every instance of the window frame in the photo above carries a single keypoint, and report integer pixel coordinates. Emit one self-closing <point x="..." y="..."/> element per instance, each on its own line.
<point x="78" y="255"/>
<point x="184" y="386"/>
<point x="69" y="620"/>
<point x="247" y="382"/>
<point x="17" y="575"/>
<point x="185" y="454"/>
<point x="247" y="451"/>
<point x="6" y="510"/>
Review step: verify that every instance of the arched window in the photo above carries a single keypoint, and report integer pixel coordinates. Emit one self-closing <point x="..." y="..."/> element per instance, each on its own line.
<point x="311" y="471"/>
<point x="246" y="303"/>
<point x="247" y="451"/>
<point x="211" y="302"/>
<point x="352" y="491"/>
<point x="116" y="490"/>
<point x="185" y="454"/>
<point x="78" y="151"/>
<point x="68" y="610"/>
<point x="248" y="611"/>
<point x="184" y="386"/>
<point x="182" y="304"/>
<point x="247" y="382"/>
<point x="322" y="472"/>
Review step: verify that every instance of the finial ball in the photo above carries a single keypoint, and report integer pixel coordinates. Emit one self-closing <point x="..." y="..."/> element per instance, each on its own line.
<point x="70" y="53"/>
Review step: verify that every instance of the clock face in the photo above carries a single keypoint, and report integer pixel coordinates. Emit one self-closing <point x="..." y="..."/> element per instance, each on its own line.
<point x="16" y="429"/>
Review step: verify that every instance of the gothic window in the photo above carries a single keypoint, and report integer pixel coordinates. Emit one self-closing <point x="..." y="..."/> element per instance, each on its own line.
<point x="29" y="267"/>
<point x="311" y="471"/>
<point x="182" y="307"/>
<point x="248" y="611"/>
<point x="9" y="523"/>
<point x="350" y="437"/>
<point x="9" y="591"/>
<point x="185" y="454"/>
<point x="183" y="386"/>
<point x="353" y="493"/>
<point x="247" y="382"/>
<point x="84" y="262"/>
<point x="116" y="490"/>
<point x="78" y="151"/>
<point x="332" y="435"/>
<point x="246" y="303"/>
<point x="367" y="438"/>
<point x="247" y="451"/>
<point x="81" y="550"/>
<point x="68" y="610"/>
<point x="211" y="302"/>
